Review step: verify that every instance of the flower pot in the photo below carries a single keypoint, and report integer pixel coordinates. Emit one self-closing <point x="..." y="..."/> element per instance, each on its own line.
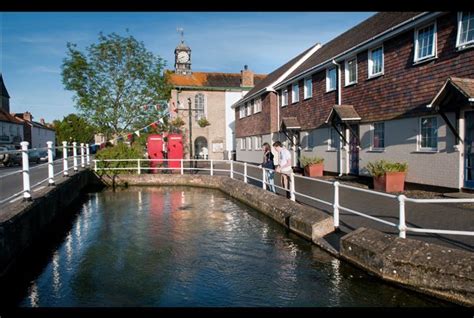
<point x="314" y="170"/>
<point x="390" y="182"/>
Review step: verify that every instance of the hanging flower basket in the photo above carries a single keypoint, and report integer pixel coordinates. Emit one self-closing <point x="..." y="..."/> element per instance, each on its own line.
<point x="203" y="122"/>
<point x="177" y="122"/>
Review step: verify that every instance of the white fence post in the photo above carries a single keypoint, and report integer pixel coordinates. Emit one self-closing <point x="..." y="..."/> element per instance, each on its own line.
<point x="245" y="172"/>
<point x="26" y="170"/>
<point x="212" y="167"/>
<point x="82" y="155"/>
<point x="65" y="168"/>
<point x="402" y="226"/>
<point x="50" y="163"/>
<point x="139" y="167"/>
<point x="74" y="153"/>
<point x="88" y="158"/>
<point x="182" y="166"/>
<point x="336" y="204"/>
<point x="292" y="187"/>
<point x="264" y="185"/>
<point x="232" y="169"/>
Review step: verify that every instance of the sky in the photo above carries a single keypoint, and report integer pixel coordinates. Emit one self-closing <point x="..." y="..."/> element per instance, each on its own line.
<point x="33" y="45"/>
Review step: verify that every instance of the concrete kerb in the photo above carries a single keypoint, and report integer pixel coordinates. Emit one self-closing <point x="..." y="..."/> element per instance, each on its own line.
<point x="429" y="268"/>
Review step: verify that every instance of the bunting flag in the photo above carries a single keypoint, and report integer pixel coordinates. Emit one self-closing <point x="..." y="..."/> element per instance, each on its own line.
<point x="129" y="136"/>
<point x="153" y="125"/>
<point x="161" y="121"/>
<point x="145" y="129"/>
<point x="137" y="133"/>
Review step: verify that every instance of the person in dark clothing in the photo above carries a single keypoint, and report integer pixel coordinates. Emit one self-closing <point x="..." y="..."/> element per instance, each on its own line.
<point x="269" y="166"/>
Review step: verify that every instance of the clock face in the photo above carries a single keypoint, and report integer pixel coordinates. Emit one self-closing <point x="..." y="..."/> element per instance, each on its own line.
<point x="183" y="57"/>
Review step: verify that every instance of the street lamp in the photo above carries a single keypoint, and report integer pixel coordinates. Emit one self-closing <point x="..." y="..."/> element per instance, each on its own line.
<point x="190" y="110"/>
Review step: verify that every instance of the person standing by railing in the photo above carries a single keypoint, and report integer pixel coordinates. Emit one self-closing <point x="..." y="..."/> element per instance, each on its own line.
<point x="269" y="165"/>
<point x="284" y="166"/>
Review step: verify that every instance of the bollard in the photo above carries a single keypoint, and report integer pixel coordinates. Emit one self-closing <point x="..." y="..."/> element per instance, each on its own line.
<point x="336" y="204"/>
<point x="212" y="167"/>
<point x="292" y="187"/>
<point x="139" y="166"/>
<point x="65" y="168"/>
<point x="50" y="163"/>
<point x="402" y="226"/>
<point x="74" y="154"/>
<point x="88" y="159"/>
<point x="231" y="169"/>
<point x="82" y="155"/>
<point x="26" y="171"/>
<point x="264" y="185"/>
<point x="245" y="172"/>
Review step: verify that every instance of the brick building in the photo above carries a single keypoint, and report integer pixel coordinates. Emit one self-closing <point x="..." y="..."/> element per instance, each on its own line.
<point x="398" y="86"/>
<point x="211" y="95"/>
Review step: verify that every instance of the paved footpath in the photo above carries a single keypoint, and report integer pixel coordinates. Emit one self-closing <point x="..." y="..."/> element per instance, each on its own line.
<point x="429" y="216"/>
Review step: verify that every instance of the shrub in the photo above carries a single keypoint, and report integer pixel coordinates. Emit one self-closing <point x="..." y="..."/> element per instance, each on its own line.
<point x="306" y="161"/>
<point x="120" y="151"/>
<point x="380" y="167"/>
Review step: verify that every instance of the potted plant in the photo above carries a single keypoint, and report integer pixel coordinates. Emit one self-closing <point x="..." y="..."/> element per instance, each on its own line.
<point x="313" y="166"/>
<point x="388" y="176"/>
<point x="203" y="122"/>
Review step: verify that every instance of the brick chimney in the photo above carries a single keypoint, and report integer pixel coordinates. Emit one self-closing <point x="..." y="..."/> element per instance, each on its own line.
<point x="27" y="116"/>
<point x="247" y="77"/>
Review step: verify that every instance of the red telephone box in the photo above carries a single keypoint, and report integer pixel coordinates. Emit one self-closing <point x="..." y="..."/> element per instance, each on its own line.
<point x="155" y="151"/>
<point x="175" y="151"/>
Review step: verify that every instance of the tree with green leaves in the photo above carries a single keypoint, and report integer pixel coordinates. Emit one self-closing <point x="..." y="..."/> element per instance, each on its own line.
<point x="73" y="128"/>
<point x="113" y="80"/>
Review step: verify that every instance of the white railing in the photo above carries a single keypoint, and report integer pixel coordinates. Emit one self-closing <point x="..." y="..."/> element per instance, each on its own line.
<point x="26" y="170"/>
<point x="291" y="192"/>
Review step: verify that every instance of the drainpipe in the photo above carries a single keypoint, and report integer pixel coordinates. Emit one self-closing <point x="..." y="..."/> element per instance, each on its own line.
<point x="339" y="103"/>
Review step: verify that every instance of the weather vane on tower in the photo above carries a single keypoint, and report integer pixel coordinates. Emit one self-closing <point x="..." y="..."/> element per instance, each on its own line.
<point x="181" y="31"/>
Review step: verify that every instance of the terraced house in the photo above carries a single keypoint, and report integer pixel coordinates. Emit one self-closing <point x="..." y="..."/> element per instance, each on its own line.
<point x="398" y="86"/>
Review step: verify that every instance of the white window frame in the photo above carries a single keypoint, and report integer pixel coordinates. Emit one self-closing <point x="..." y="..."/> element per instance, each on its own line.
<point x="434" y="52"/>
<point x="346" y="71"/>
<point x="459" y="45"/>
<point x="248" y="143"/>
<point x="330" y="141"/>
<point x="284" y="92"/>
<point x="242" y="143"/>
<point x="328" y="87"/>
<point x="370" y="62"/>
<point x="308" y="91"/>
<point x="372" y="147"/>
<point x="248" y="109"/>
<point x="310" y="136"/>
<point x="257" y="142"/>
<point x="295" y="93"/>
<point x="242" y="111"/>
<point x="427" y="149"/>
<point x="257" y="105"/>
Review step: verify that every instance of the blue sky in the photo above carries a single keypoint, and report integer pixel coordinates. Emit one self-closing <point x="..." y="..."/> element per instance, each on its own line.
<point x="33" y="45"/>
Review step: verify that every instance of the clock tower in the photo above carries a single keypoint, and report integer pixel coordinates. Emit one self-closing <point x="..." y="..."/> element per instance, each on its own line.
<point x="182" y="57"/>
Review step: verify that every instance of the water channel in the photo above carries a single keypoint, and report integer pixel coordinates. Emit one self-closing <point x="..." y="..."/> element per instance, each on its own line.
<point x="176" y="246"/>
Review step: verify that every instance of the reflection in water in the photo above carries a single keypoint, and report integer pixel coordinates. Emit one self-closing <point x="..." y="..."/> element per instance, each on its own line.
<point x="195" y="247"/>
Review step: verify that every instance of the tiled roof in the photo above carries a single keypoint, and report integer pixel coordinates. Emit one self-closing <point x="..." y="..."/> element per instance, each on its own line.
<point x="290" y="123"/>
<point x="3" y="89"/>
<point x="464" y="85"/>
<point x="362" y="32"/>
<point x="344" y="112"/>
<point x="273" y="76"/>
<point x="206" y="79"/>
<point x="5" y="116"/>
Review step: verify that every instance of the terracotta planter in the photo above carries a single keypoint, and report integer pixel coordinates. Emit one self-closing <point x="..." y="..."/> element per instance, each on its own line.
<point x="390" y="182"/>
<point x="314" y="170"/>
